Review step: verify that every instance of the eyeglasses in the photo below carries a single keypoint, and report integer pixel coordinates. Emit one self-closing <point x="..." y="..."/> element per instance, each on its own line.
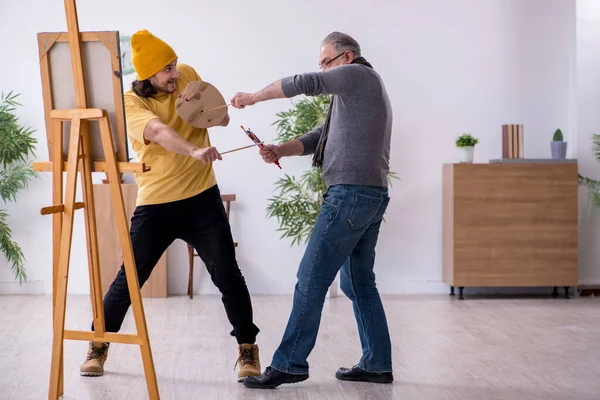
<point x="323" y="64"/>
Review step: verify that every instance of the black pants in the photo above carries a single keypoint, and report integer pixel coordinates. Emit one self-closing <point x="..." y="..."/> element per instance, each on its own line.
<point x="202" y="222"/>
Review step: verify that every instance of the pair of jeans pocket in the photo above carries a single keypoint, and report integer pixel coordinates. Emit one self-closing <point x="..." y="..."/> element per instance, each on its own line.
<point x="330" y="206"/>
<point x="365" y="210"/>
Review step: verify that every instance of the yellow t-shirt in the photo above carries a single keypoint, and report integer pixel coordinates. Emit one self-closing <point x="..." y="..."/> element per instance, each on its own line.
<point x="172" y="176"/>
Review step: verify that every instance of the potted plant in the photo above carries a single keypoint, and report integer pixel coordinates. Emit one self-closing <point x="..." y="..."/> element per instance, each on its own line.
<point x="592" y="184"/>
<point x="16" y="145"/>
<point x="465" y="144"/>
<point x="558" y="146"/>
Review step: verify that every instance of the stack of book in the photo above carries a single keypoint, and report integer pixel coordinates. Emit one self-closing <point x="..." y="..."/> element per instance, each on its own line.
<point x="512" y="141"/>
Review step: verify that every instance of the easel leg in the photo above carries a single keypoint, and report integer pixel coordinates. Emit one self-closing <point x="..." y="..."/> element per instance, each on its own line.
<point x="91" y="232"/>
<point x="128" y="258"/>
<point x="57" y="198"/>
<point x="63" y="265"/>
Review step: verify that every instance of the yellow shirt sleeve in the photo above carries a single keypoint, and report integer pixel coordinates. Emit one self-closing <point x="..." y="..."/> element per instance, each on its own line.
<point x="138" y="116"/>
<point x="189" y="73"/>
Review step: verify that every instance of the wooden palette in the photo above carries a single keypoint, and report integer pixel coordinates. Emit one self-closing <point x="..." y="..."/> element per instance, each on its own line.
<point x="201" y="110"/>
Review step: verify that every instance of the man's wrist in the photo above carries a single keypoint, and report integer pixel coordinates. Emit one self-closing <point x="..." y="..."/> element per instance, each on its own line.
<point x="290" y="148"/>
<point x="284" y="149"/>
<point x="193" y="150"/>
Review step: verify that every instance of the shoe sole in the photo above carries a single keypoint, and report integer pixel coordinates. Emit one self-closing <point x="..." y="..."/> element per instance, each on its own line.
<point x="91" y="373"/>
<point x="287" y="381"/>
<point x="370" y="379"/>
<point x="241" y="378"/>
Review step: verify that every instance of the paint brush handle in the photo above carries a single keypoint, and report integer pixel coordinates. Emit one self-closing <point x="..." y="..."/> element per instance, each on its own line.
<point x="241" y="148"/>
<point x="256" y="140"/>
<point x="216" y="108"/>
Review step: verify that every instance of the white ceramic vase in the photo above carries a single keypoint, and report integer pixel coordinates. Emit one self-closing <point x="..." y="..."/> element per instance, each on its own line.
<point x="465" y="154"/>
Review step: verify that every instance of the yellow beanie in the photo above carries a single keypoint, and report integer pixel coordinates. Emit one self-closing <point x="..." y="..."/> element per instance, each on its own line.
<point x="149" y="54"/>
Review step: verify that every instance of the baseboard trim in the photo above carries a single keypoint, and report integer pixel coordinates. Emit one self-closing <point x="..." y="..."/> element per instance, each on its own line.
<point x="25" y="288"/>
<point x="589" y="289"/>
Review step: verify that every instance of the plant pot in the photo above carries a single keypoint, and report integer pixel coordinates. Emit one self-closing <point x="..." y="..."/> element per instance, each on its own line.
<point x="559" y="150"/>
<point x="465" y="154"/>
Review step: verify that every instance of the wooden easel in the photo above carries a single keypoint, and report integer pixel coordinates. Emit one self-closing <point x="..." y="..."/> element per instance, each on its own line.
<point x="79" y="160"/>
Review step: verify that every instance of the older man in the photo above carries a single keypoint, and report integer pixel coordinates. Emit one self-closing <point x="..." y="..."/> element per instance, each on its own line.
<point x="352" y="147"/>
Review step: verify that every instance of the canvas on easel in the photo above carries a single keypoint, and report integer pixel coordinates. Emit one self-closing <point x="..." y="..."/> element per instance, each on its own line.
<point x="88" y="138"/>
<point x="101" y="61"/>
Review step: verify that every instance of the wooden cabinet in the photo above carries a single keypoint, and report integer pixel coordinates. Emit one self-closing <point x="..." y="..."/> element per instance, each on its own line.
<point x="108" y="241"/>
<point x="510" y="225"/>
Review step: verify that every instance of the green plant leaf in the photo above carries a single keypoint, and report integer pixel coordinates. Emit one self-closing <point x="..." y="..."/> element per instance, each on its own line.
<point x="466" y="140"/>
<point x="16" y="145"/>
<point x="596" y="146"/>
<point x="558" y="136"/>
<point x="593" y="186"/>
<point x="391" y="176"/>
<point x="12" y="251"/>
<point x="306" y="115"/>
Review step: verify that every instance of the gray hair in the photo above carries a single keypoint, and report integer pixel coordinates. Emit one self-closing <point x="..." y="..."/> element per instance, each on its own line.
<point x="342" y="41"/>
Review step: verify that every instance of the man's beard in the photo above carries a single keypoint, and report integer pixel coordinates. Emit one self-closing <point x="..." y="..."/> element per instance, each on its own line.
<point x="165" y="88"/>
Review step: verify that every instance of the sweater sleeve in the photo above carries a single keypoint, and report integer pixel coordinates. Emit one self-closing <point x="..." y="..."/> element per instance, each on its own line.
<point x="310" y="140"/>
<point x="339" y="81"/>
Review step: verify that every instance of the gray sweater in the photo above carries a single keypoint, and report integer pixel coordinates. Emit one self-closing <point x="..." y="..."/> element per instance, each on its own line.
<point x="357" y="151"/>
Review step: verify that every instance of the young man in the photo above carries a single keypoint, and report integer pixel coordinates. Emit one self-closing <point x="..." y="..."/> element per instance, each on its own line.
<point x="352" y="147"/>
<point x="177" y="199"/>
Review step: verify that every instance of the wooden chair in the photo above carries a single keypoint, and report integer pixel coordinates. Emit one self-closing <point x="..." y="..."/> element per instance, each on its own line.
<point x="227" y="199"/>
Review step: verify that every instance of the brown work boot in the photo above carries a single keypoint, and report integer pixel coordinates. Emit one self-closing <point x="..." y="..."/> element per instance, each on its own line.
<point x="248" y="360"/>
<point x="96" y="357"/>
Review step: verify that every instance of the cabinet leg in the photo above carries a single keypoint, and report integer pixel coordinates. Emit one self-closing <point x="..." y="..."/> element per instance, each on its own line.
<point x="555" y="292"/>
<point x="566" y="292"/>
<point x="451" y="290"/>
<point x="460" y="293"/>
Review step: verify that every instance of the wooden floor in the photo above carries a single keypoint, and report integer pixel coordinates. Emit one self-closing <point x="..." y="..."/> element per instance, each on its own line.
<point x="498" y="348"/>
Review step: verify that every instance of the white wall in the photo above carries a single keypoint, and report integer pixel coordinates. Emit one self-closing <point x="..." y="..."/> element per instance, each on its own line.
<point x="588" y="72"/>
<point x="450" y="67"/>
<point x="546" y="74"/>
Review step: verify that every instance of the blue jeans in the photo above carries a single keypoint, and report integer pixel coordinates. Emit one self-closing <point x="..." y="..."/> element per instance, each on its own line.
<point x="344" y="236"/>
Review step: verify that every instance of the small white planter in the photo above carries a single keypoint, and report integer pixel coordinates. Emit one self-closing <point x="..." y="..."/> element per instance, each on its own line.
<point x="465" y="154"/>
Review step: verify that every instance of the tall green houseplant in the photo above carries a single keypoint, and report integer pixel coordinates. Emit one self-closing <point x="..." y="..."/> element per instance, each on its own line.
<point x="297" y="202"/>
<point x="16" y="145"/>
<point x="591" y="184"/>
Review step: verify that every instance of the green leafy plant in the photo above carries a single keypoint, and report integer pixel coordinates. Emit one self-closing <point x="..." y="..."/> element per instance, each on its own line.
<point x="305" y="116"/>
<point x="466" y="140"/>
<point x="297" y="202"/>
<point x="593" y="185"/>
<point x="558" y="136"/>
<point x="16" y="144"/>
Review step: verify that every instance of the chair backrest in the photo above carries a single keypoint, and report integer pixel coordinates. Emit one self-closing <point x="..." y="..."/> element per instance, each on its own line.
<point x="227" y="199"/>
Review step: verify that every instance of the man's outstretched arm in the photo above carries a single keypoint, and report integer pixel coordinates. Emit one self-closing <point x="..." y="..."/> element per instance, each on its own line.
<point x="337" y="81"/>
<point x="162" y="134"/>
<point x="273" y="91"/>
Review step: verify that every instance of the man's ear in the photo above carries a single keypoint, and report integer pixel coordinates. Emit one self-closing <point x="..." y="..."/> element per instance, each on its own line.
<point x="349" y="56"/>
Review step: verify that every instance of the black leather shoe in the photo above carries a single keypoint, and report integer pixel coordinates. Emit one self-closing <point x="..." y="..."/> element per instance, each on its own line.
<point x="272" y="378"/>
<point x="360" y="375"/>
